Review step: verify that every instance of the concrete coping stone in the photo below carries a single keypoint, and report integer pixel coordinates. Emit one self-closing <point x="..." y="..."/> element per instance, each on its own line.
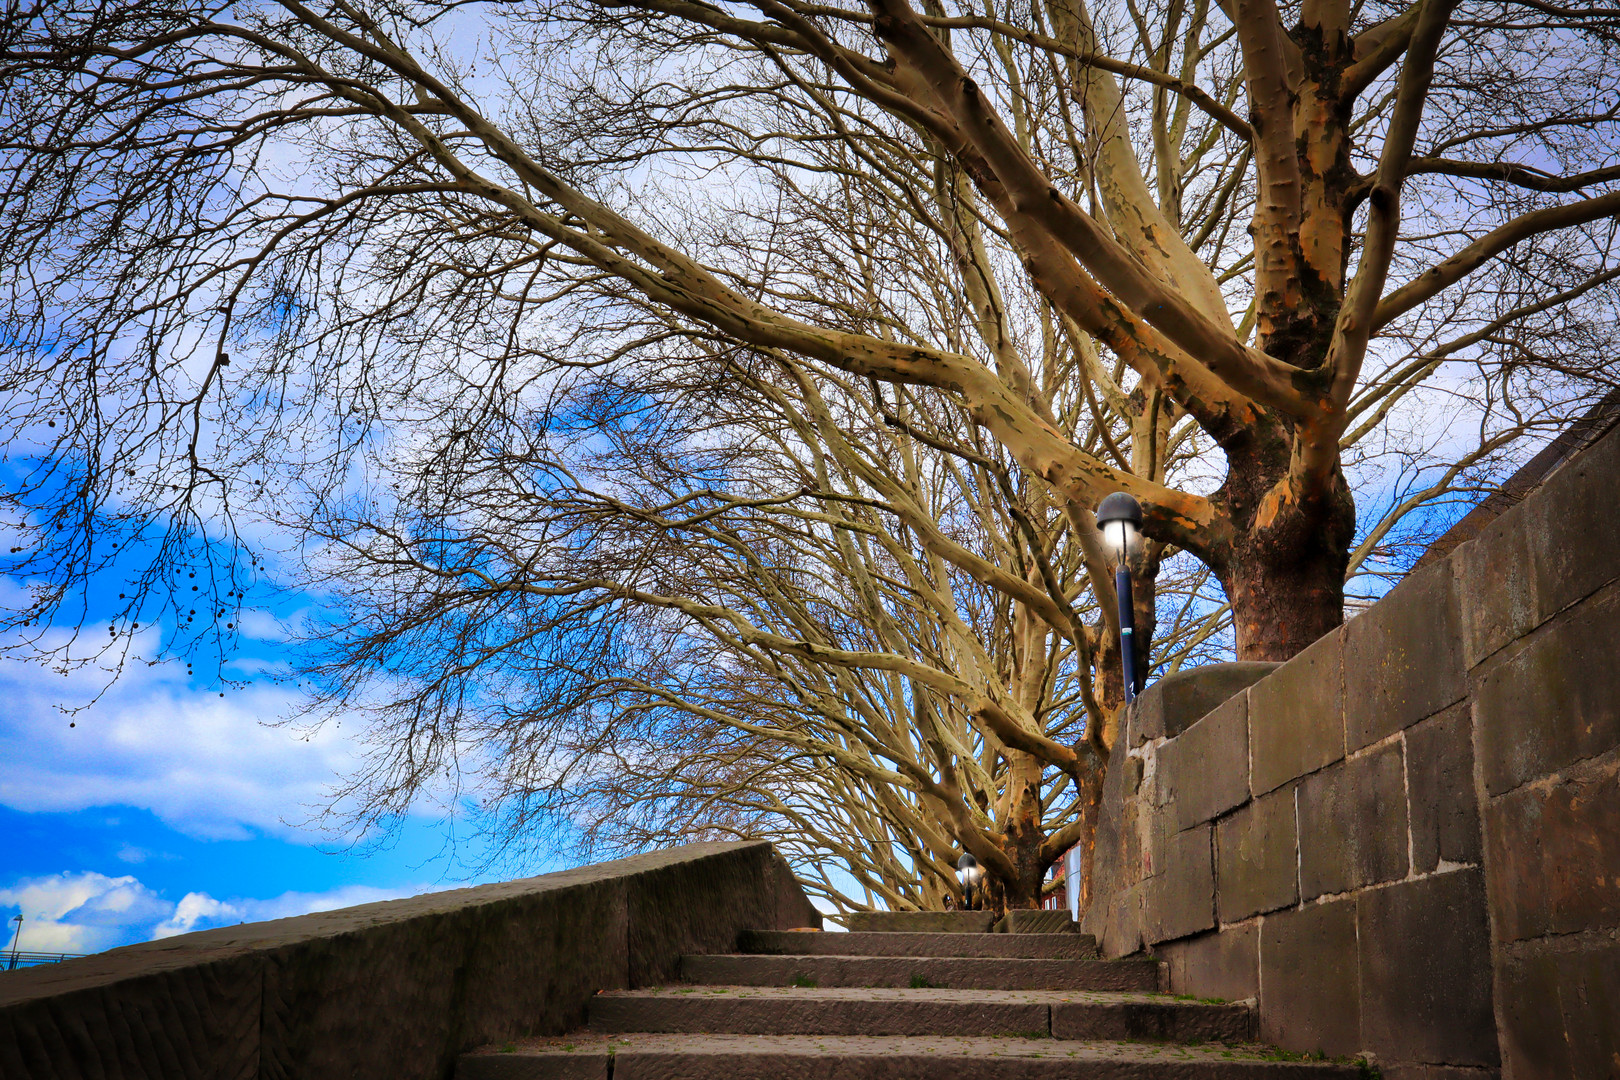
<point x="1174" y="703"/>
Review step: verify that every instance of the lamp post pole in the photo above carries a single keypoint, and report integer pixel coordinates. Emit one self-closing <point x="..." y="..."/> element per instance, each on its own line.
<point x="1127" y="629"/>
<point x="1120" y="518"/>
<point x="15" y="941"/>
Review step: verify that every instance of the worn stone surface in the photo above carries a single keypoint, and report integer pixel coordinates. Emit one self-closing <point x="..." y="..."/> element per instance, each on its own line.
<point x="1171" y="705"/>
<point x="1438" y="1072"/>
<point x="1204" y="771"/>
<point x="1553" y="854"/>
<point x="1124" y="922"/>
<point x="884" y="1057"/>
<point x="950" y="973"/>
<point x="1553" y="698"/>
<point x="1426" y="971"/>
<point x="1440" y="790"/>
<point x="1222" y="965"/>
<point x="687" y="907"/>
<point x="1352" y="824"/>
<point x="793" y="907"/>
<point x="1070" y="946"/>
<point x="919" y="1011"/>
<point x="1587" y="975"/>
<point x="198" y="1020"/>
<point x="1531" y="1031"/>
<point x="1114" y="917"/>
<point x="1153" y="1021"/>
<point x="1296" y="716"/>
<point x="1538" y="558"/>
<point x="1257" y="858"/>
<point x="1310" y="978"/>
<point x="920" y="922"/>
<point x="1037" y="922"/>
<point x="831" y="1012"/>
<point x="392" y="990"/>
<point x="1181" y="899"/>
<point x="1403" y="658"/>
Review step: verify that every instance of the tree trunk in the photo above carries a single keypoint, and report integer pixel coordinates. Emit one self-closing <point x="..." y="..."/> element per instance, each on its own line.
<point x="1283" y="567"/>
<point x="1282" y="600"/>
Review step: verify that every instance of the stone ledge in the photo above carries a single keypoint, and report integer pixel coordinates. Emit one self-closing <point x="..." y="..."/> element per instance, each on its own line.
<point x="1171" y="705"/>
<point x="393" y="990"/>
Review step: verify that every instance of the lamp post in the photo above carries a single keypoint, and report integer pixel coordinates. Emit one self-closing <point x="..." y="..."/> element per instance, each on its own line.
<point x="15" y="941"/>
<point x="969" y="873"/>
<point x="1120" y="518"/>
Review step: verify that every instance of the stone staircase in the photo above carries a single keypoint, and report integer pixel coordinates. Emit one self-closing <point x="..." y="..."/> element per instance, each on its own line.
<point x="904" y="1006"/>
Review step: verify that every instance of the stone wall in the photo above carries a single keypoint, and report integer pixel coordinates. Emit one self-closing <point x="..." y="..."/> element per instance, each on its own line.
<point x="1406" y="840"/>
<point x="393" y="990"/>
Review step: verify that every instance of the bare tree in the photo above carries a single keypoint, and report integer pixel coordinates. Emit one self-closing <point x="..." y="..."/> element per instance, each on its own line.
<point x="348" y="268"/>
<point x="729" y="598"/>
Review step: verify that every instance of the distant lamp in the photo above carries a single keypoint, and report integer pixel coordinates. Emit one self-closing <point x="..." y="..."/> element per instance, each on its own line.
<point x="1120" y="518"/>
<point x="969" y="873"/>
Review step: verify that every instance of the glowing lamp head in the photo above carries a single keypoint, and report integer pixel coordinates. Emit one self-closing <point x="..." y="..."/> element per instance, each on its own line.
<point x="1120" y="518"/>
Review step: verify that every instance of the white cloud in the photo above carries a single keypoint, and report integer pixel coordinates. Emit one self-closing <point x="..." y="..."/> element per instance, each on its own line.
<point x="196" y="911"/>
<point x="206" y="765"/>
<point x="86" y="912"/>
<point x="82" y="912"/>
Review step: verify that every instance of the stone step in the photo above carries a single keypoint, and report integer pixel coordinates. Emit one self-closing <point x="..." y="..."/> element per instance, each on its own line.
<point x="1037" y="922"/>
<point x="919" y="922"/>
<point x="942" y="972"/>
<point x="598" y="1056"/>
<point x="863" y="1011"/>
<point x="1006" y="946"/>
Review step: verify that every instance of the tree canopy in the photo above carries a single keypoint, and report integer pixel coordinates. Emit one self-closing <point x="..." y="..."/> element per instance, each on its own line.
<point x="713" y="397"/>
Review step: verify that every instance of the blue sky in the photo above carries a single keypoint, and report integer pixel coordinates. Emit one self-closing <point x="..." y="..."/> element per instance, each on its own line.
<point x="167" y="808"/>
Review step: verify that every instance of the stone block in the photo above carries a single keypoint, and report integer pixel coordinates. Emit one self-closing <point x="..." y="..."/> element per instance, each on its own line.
<point x="1310" y="979"/>
<point x="1426" y="971"/>
<point x="1403" y="658"/>
<point x="1257" y="858"/>
<point x="1556" y="547"/>
<point x="1352" y="824"/>
<point x="1175" y="702"/>
<point x="793" y="908"/>
<point x="1156" y="826"/>
<point x="1588" y="973"/>
<point x="1553" y="854"/>
<point x="1120" y="928"/>
<point x="1533" y="1040"/>
<point x="679" y="906"/>
<point x="403" y="972"/>
<point x="1440" y="790"/>
<point x="1037" y="922"/>
<point x="1437" y="1072"/>
<point x="1157" y="1021"/>
<point x="1552" y="698"/>
<point x="1180" y="899"/>
<point x="1296" y="716"/>
<point x="1223" y="964"/>
<point x="917" y="922"/>
<point x="1204" y="771"/>
<point x="1115" y="864"/>
<point x="200" y="1020"/>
